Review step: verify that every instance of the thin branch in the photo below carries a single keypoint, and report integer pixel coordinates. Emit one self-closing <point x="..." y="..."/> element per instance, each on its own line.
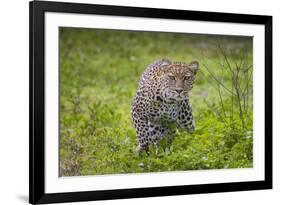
<point x="212" y="75"/>
<point x="222" y="105"/>
<point x="225" y="57"/>
<point x="239" y="103"/>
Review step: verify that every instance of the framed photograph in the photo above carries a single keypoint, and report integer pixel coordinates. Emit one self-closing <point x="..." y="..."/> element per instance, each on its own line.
<point x="140" y="102"/>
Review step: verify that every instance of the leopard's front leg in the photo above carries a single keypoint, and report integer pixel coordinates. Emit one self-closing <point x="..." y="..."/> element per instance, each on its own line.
<point x="142" y="131"/>
<point x="149" y="133"/>
<point x="157" y="133"/>
<point x="185" y="117"/>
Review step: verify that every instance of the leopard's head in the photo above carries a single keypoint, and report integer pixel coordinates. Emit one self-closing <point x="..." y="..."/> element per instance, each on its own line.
<point x="179" y="79"/>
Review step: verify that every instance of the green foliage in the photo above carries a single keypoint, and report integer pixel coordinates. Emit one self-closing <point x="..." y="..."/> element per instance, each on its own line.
<point x="99" y="72"/>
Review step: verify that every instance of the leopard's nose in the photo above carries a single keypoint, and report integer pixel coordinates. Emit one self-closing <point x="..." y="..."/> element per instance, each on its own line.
<point x="178" y="91"/>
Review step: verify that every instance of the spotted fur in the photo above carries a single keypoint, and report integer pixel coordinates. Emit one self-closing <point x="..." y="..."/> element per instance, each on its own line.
<point x="161" y="103"/>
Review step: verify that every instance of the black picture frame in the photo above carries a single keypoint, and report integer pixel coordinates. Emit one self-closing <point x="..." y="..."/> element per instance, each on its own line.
<point x="37" y="10"/>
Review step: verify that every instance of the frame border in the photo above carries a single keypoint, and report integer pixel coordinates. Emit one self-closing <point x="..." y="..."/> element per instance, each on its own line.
<point x="37" y="11"/>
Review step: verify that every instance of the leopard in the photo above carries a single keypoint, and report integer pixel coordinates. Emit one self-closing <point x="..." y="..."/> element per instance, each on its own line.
<point x="161" y="104"/>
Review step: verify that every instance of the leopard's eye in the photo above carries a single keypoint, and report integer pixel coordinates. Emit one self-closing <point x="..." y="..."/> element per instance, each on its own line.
<point x="186" y="77"/>
<point x="172" y="77"/>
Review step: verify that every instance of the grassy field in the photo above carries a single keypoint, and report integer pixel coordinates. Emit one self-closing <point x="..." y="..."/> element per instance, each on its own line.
<point x="99" y="72"/>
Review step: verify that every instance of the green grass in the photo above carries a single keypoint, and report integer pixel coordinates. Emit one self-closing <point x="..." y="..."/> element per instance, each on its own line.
<point x="99" y="72"/>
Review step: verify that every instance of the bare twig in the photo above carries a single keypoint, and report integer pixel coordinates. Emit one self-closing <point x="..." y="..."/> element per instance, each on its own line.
<point x="224" y="56"/>
<point x="219" y="82"/>
<point x="221" y="101"/>
<point x="240" y="74"/>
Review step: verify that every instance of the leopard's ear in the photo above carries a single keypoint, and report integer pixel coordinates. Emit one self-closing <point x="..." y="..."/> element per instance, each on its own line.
<point x="165" y="62"/>
<point x="194" y="66"/>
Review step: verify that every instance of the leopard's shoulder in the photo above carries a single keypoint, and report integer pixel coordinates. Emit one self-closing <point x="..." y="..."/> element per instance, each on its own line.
<point x="153" y="71"/>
